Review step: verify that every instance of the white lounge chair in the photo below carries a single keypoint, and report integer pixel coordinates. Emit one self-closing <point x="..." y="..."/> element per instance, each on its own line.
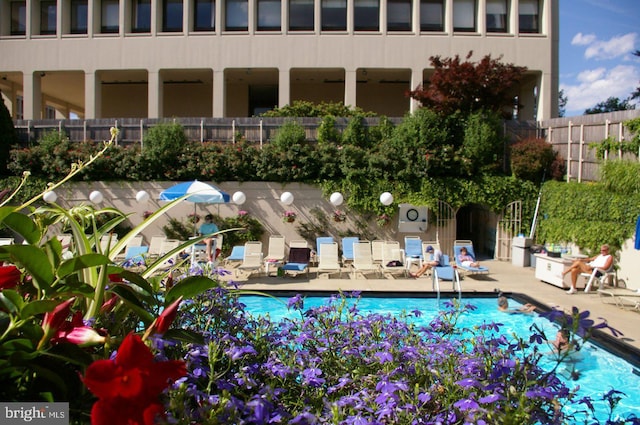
<point x="392" y="259"/>
<point x="275" y="253"/>
<point x="328" y="260"/>
<point x="252" y="259"/>
<point x="363" y="259"/>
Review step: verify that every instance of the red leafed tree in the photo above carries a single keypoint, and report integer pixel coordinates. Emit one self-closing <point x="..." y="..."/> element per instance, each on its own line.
<point x="466" y="86"/>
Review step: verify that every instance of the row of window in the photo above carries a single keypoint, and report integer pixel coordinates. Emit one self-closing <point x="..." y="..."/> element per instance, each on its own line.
<point x="366" y="15"/>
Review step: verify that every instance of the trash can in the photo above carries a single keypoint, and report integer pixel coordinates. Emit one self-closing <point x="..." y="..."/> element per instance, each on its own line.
<point x="520" y="255"/>
<point x="535" y="249"/>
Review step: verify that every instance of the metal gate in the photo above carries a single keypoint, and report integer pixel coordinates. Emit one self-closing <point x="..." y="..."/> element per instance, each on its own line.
<point x="446" y="227"/>
<point x="509" y="225"/>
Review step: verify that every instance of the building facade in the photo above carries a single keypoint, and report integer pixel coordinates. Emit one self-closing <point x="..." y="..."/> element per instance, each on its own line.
<point x="237" y="58"/>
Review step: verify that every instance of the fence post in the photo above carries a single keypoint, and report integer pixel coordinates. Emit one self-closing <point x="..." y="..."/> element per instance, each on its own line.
<point x="569" y="152"/>
<point x="233" y="132"/>
<point x="84" y="130"/>
<point x="141" y="135"/>
<point x="201" y="131"/>
<point x="261" y="129"/>
<point x="580" y="158"/>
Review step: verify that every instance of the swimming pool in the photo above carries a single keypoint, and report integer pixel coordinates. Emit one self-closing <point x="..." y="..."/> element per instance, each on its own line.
<point x="597" y="370"/>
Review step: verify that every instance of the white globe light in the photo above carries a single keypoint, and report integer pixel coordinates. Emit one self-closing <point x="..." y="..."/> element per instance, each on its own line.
<point x="142" y="196"/>
<point x="96" y="197"/>
<point x="386" y="198"/>
<point x="49" y="196"/>
<point x="336" y="198"/>
<point x="239" y="198"/>
<point x="286" y="198"/>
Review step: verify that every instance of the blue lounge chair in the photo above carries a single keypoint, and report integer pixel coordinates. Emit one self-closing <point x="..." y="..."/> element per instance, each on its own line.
<point x="236" y="256"/>
<point x="457" y="245"/>
<point x="347" y="248"/>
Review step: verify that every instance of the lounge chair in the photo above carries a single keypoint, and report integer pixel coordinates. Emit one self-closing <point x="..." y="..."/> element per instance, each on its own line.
<point x="363" y="259"/>
<point x="322" y="239"/>
<point x="298" y="261"/>
<point x="413" y="252"/>
<point x="446" y="272"/>
<point x="328" y="261"/>
<point x="135" y="256"/>
<point x="623" y="298"/>
<point x="275" y="252"/>
<point x="347" y="248"/>
<point x="236" y="256"/>
<point x="298" y="243"/>
<point x="599" y="275"/>
<point x="155" y="245"/>
<point x="457" y="245"/>
<point x="392" y="259"/>
<point x="376" y="251"/>
<point x="252" y="258"/>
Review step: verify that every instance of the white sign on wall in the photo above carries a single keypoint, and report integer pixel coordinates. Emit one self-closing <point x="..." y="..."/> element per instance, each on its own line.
<point x="412" y="218"/>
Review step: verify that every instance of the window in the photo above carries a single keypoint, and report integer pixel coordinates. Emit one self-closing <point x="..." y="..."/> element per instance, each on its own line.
<point x="464" y="15"/>
<point x="301" y="15"/>
<point x="141" y="16"/>
<point x="18" y="18"/>
<point x="366" y="15"/>
<point x="398" y="15"/>
<point x="47" y="17"/>
<point x="529" y="16"/>
<point x="172" y="16"/>
<point x="269" y="15"/>
<point x="431" y="15"/>
<point x="205" y="15"/>
<point x="79" y="13"/>
<point x="49" y="113"/>
<point x="334" y="15"/>
<point x="237" y="15"/>
<point x="497" y="15"/>
<point x="109" y="19"/>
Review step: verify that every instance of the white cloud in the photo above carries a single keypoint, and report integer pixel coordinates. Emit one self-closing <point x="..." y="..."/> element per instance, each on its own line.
<point x="610" y="49"/>
<point x="597" y="85"/>
<point x="582" y="39"/>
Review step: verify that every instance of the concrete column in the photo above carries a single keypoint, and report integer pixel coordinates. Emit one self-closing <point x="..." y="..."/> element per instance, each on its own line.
<point x="416" y="80"/>
<point x="284" y="87"/>
<point x="92" y="95"/>
<point x="32" y="100"/>
<point x="154" y="94"/>
<point x="350" y="88"/>
<point x="219" y="94"/>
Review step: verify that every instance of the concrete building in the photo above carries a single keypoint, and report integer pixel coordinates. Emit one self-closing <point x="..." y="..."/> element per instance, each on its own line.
<point x="97" y="59"/>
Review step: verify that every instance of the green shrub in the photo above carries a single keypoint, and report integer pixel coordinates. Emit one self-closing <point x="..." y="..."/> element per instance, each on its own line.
<point x="535" y="159"/>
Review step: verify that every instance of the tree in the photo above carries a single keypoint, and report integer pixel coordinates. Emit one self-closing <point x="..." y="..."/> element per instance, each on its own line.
<point x="468" y="87"/>
<point x="612" y="104"/>
<point x="8" y="136"/>
<point x="562" y="103"/>
<point x="636" y="93"/>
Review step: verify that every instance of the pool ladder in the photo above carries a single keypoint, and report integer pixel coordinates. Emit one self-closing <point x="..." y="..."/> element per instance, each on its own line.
<point x="455" y="281"/>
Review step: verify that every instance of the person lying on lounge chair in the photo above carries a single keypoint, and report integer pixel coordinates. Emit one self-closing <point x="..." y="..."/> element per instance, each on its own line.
<point x="465" y="259"/>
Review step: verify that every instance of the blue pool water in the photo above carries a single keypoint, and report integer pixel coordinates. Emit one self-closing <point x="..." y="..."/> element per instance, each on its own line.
<point x="599" y="370"/>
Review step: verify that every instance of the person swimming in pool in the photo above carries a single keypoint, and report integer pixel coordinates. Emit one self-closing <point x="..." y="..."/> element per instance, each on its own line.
<point x="503" y="305"/>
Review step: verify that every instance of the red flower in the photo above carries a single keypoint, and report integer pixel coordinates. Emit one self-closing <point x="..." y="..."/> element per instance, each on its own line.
<point x="53" y="320"/>
<point x="128" y="387"/>
<point x="166" y="318"/>
<point x="9" y="277"/>
<point x="75" y="332"/>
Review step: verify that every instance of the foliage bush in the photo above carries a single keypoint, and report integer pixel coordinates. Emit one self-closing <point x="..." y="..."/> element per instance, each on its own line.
<point x="588" y="215"/>
<point x="303" y="108"/>
<point x="535" y="160"/>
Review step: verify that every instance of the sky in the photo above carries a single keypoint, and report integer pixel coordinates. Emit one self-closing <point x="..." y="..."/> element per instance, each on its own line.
<point x="597" y="41"/>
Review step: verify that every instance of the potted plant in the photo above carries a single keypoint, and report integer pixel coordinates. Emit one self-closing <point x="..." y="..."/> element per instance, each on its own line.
<point x="382" y="220"/>
<point x="339" y="215"/>
<point x="289" y="216"/>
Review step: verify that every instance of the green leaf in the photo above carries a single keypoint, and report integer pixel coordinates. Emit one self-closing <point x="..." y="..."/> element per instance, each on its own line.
<point x="131" y="300"/>
<point x="82" y="262"/>
<point x="184" y="335"/>
<point x="190" y="287"/>
<point x="11" y="301"/>
<point x="25" y="226"/>
<point x="137" y="280"/>
<point x="37" y="307"/>
<point x="35" y="262"/>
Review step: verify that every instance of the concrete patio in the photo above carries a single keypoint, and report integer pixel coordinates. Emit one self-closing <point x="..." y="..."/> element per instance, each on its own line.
<point x="503" y="276"/>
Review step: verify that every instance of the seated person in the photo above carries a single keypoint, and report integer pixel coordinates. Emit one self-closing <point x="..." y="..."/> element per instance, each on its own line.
<point x="586" y="265"/>
<point x="428" y="264"/>
<point x="208" y="228"/>
<point x="465" y="259"/>
<point x="503" y="305"/>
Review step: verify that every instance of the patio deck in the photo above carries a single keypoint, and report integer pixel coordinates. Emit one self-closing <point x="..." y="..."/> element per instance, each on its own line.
<point x="504" y="276"/>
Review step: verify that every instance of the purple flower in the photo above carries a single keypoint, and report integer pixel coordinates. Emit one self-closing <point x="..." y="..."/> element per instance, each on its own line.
<point x="297" y="302"/>
<point x="466" y="404"/>
<point x="384" y="356"/>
